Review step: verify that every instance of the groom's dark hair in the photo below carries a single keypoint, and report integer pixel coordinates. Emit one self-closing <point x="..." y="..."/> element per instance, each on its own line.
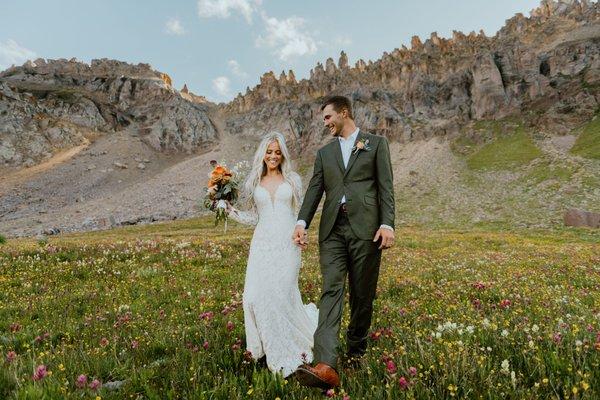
<point x="339" y="103"/>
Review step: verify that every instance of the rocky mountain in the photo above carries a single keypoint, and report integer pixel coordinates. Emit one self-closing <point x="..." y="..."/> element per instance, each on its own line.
<point x="547" y="64"/>
<point x="50" y="105"/>
<point x="498" y="130"/>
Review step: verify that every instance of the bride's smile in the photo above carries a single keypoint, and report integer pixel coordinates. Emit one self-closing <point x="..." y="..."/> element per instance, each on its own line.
<point x="273" y="156"/>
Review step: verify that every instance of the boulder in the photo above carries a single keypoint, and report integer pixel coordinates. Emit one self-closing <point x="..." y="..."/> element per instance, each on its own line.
<point x="575" y="217"/>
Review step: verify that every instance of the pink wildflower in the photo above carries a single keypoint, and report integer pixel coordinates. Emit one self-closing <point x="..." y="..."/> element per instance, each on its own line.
<point x="230" y="326"/>
<point x="391" y="367"/>
<point x="40" y="373"/>
<point x="95" y="384"/>
<point x="11" y="356"/>
<point x="403" y="382"/>
<point x="81" y="381"/>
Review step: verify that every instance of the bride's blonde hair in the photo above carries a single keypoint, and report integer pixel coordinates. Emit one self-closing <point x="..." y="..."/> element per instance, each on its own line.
<point x="259" y="169"/>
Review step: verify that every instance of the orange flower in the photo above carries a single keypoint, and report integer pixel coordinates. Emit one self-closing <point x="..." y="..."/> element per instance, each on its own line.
<point x="219" y="176"/>
<point x="219" y="170"/>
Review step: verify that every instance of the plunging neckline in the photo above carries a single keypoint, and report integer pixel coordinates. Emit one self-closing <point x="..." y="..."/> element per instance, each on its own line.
<point x="272" y="196"/>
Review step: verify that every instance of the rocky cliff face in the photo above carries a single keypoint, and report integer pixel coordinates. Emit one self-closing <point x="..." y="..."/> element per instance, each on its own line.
<point x="546" y="66"/>
<point x="56" y="104"/>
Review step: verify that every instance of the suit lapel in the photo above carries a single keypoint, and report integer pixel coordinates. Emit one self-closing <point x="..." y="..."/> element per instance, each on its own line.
<point x="337" y="152"/>
<point x="354" y="154"/>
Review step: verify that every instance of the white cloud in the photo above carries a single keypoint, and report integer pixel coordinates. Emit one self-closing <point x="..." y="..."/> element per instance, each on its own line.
<point x="221" y="86"/>
<point x="174" y="27"/>
<point x="11" y="53"/>
<point x="236" y="69"/>
<point x="286" y="37"/>
<point x="224" y="8"/>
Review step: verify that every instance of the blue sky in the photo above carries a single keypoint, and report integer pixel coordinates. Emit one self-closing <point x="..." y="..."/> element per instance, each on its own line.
<point x="219" y="47"/>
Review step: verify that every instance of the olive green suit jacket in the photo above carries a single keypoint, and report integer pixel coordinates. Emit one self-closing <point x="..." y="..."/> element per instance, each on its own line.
<point x="367" y="183"/>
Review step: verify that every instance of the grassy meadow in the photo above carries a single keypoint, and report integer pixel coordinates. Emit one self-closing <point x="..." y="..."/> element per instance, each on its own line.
<point x="154" y="312"/>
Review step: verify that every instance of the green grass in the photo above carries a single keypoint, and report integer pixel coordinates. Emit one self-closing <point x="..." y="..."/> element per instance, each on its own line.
<point x="505" y="152"/>
<point x="496" y="145"/>
<point x="2" y="239"/>
<point x="545" y="171"/>
<point x="452" y="304"/>
<point x="588" y="142"/>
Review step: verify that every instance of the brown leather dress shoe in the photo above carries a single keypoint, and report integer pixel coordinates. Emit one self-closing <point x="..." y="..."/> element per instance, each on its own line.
<point x="321" y="375"/>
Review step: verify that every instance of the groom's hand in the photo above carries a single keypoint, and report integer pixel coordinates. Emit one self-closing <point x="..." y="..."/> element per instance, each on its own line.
<point x="386" y="236"/>
<point x="300" y="237"/>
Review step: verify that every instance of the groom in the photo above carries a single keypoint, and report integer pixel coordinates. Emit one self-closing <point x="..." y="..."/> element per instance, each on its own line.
<point x="357" y="222"/>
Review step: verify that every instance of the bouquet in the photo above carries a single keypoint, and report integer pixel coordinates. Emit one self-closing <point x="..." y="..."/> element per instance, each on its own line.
<point x="222" y="187"/>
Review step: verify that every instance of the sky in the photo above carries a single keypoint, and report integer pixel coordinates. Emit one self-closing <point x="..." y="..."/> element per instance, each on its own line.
<point x="220" y="47"/>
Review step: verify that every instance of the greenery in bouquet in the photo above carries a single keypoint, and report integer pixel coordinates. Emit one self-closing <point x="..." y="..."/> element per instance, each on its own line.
<point x="222" y="187"/>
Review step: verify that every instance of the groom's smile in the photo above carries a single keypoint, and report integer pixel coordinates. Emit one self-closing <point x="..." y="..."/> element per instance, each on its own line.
<point x="332" y="120"/>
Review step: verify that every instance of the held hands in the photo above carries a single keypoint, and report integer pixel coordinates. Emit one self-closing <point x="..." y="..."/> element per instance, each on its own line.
<point x="387" y="238"/>
<point x="300" y="237"/>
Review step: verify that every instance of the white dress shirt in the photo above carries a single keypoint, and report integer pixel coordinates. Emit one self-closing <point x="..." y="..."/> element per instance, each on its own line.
<point x="346" y="146"/>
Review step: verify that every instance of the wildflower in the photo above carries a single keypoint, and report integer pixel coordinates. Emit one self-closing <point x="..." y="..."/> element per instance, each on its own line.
<point x="95" y="384"/>
<point x="412" y="371"/>
<point x="11" y="356"/>
<point x="505" y="366"/>
<point x="207" y="316"/>
<point x="391" y="367"/>
<point x="41" y="338"/>
<point x="103" y="342"/>
<point x="205" y="345"/>
<point x="40" y="373"/>
<point x="452" y="389"/>
<point x="330" y="393"/>
<point x="557" y="338"/>
<point x="403" y="382"/>
<point x="505" y="303"/>
<point x="81" y="381"/>
<point x="230" y="326"/>
<point x="135" y="344"/>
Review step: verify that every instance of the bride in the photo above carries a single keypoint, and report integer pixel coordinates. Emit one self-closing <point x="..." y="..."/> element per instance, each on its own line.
<point x="277" y="324"/>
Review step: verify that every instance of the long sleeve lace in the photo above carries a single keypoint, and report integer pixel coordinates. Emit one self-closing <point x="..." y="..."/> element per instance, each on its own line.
<point x="244" y="217"/>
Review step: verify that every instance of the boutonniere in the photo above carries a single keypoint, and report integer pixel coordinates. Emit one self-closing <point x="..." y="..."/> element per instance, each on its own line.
<point x="361" y="144"/>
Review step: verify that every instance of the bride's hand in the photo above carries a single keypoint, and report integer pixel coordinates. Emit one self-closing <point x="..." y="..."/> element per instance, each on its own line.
<point x="300" y="237"/>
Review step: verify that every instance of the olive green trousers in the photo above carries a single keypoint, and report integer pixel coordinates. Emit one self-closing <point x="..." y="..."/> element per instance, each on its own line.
<point x="342" y="254"/>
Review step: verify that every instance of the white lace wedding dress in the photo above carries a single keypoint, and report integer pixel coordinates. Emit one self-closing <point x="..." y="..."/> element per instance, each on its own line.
<point x="277" y="324"/>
